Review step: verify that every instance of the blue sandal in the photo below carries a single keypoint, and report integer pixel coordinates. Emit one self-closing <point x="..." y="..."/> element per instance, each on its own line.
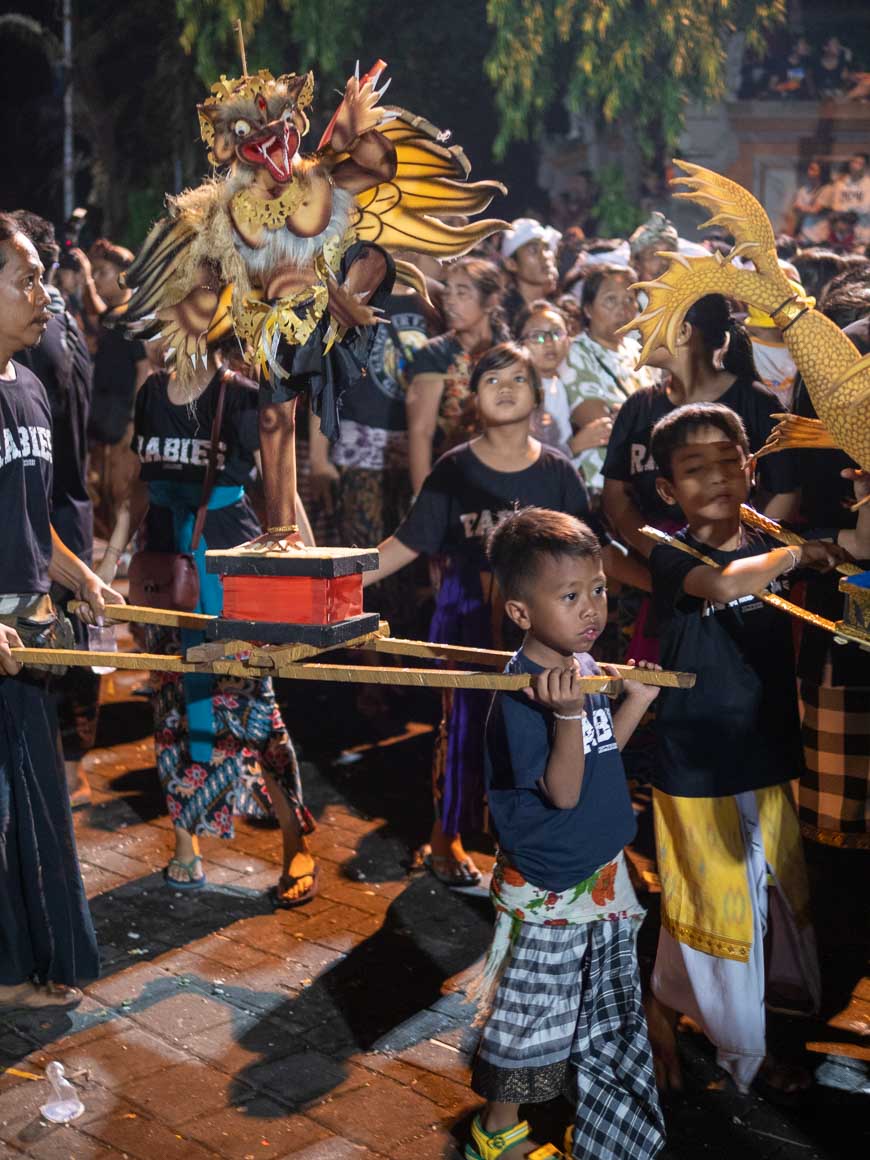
<point x="193" y="882"/>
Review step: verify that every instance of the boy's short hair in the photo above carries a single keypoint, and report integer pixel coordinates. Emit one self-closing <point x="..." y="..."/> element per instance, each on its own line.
<point x="673" y="431"/>
<point x="500" y="356"/>
<point x="515" y="547"/>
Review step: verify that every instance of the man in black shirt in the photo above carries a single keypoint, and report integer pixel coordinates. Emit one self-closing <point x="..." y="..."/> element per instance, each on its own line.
<point x="47" y="942"/>
<point x="62" y="364"/>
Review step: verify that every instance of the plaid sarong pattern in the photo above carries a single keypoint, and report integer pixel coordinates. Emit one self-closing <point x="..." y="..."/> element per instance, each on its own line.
<point x="834" y="793"/>
<point x="567" y="1015"/>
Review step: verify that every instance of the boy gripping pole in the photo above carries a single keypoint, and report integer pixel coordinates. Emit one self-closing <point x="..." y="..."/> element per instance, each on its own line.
<point x="735" y="925"/>
<point x="560" y="996"/>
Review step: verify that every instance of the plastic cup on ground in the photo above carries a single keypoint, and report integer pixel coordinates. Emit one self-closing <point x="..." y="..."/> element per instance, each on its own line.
<point x="101" y="638"/>
<point x="64" y="1104"/>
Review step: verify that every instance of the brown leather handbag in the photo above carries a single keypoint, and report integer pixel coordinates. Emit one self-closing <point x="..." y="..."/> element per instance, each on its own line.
<point x="169" y="579"/>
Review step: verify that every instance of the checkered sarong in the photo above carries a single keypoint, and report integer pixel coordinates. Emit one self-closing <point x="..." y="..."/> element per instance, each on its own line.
<point x="834" y="803"/>
<point x="567" y="1015"/>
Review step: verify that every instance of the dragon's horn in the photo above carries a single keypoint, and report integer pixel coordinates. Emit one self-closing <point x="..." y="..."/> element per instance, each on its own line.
<point x="733" y="207"/>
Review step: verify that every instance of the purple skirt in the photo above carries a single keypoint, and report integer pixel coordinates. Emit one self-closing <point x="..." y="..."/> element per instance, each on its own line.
<point x="462" y="617"/>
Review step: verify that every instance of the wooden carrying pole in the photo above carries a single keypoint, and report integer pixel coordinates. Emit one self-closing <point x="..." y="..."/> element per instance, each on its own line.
<point x="280" y="660"/>
<point x="138" y="614"/>
<point x="423" y="678"/>
<point x="459" y="654"/>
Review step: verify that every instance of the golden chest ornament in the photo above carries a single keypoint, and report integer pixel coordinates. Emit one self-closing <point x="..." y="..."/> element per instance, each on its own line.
<point x="253" y="212"/>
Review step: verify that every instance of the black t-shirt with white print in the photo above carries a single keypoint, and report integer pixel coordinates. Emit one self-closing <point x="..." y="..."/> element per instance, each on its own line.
<point x="738" y="728"/>
<point x="462" y="500"/>
<point x="628" y="454"/>
<point x="173" y="440"/>
<point x="25" y="483"/>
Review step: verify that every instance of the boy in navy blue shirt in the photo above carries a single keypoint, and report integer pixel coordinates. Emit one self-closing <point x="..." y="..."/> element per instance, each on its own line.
<point x="562" y="1007"/>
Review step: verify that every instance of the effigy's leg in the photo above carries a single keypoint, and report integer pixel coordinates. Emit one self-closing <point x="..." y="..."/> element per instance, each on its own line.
<point x="277" y="422"/>
<point x="277" y="428"/>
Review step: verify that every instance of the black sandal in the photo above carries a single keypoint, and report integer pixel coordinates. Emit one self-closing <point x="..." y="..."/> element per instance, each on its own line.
<point x="287" y="882"/>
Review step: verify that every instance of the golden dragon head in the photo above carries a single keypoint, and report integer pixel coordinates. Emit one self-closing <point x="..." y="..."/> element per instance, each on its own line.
<point x="689" y="278"/>
<point x="257" y="120"/>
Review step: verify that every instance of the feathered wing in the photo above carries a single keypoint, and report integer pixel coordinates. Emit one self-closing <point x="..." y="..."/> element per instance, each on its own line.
<point x="430" y="184"/>
<point x="183" y="279"/>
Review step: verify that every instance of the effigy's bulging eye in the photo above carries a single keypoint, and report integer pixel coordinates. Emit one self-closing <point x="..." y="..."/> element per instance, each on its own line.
<point x="241" y="128"/>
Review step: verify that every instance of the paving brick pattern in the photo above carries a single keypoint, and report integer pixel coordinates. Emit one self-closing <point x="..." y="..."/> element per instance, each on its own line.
<point x="333" y="1032"/>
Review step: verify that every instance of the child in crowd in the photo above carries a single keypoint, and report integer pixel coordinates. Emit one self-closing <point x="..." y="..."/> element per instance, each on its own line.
<point x="542" y="328"/>
<point x="735" y="928"/>
<point x="460" y="502"/>
<point x="561" y="989"/>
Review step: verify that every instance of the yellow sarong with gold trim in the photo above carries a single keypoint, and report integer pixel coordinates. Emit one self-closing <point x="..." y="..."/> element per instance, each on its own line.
<point x="701" y="852"/>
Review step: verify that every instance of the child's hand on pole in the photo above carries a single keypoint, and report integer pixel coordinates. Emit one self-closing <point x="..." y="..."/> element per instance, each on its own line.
<point x="559" y="690"/>
<point x="635" y="691"/>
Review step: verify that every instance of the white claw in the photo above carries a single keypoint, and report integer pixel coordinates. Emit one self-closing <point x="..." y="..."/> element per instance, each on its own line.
<point x="193" y="360"/>
<point x="380" y="92"/>
<point x="356" y="71"/>
<point x="373" y="81"/>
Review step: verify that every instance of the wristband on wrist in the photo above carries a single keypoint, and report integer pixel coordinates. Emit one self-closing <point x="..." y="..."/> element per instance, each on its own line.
<point x="113" y="550"/>
<point x="795" y="560"/>
<point x="570" y="716"/>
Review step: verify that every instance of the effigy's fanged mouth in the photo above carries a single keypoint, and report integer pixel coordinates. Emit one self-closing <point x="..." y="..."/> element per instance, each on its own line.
<point x="275" y="148"/>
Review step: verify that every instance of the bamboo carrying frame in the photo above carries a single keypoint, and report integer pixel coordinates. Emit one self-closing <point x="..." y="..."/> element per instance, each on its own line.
<point x="244" y="659"/>
<point x="842" y="632"/>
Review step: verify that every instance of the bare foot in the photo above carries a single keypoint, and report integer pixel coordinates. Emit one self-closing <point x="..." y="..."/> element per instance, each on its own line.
<point x="661" y="1025"/>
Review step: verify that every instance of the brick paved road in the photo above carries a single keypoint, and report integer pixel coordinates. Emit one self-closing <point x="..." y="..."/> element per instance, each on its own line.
<point x="220" y="1029"/>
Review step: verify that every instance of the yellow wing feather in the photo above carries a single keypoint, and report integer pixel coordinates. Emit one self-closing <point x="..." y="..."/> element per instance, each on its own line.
<point x="430" y="180"/>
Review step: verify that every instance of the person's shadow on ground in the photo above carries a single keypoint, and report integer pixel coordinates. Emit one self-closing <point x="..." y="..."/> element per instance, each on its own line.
<point x="385" y="995"/>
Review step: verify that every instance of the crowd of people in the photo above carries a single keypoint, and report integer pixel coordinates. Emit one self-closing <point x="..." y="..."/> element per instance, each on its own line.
<point x="504" y="450"/>
<point x="803" y="71"/>
<point x="834" y="212"/>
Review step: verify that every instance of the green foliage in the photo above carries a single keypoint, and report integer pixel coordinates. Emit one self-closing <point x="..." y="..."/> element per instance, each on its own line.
<point x="615" y="58"/>
<point x="615" y="214"/>
<point x="281" y="35"/>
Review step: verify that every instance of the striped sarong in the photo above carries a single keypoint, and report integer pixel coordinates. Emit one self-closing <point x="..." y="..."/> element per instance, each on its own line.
<point x="566" y="1016"/>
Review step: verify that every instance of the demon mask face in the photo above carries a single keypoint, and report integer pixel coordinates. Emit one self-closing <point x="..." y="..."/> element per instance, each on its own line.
<point x="257" y="121"/>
